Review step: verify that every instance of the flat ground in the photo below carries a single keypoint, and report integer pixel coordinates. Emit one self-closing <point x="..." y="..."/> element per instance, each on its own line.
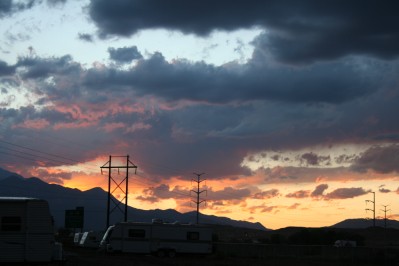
<point x="86" y="257"/>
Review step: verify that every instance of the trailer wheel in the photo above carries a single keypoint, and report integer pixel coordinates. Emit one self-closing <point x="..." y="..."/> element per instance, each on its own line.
<point x="171" y="253"/>
<point x="161" y="253"/>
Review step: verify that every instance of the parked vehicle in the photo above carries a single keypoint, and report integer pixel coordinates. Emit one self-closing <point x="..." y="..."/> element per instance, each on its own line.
<point x="26" y="231"/>
<point x="162" y="239"/>
<point x="90" y="239"/>
<point x="344" y="243"/>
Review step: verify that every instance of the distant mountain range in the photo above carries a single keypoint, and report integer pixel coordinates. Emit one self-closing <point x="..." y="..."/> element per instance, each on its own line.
<point x="366" y="223"/>
<point x="94" y="202"/>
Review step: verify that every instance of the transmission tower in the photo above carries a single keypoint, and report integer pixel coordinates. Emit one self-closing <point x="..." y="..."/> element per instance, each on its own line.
<point x="373" y="210"/>
<point x="385" y="214"/>
<point x="117" y="183"/>
<point x="198" y="201"/>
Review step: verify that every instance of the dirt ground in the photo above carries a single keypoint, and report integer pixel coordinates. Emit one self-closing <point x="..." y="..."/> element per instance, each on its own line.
<point x="88" y="257"/>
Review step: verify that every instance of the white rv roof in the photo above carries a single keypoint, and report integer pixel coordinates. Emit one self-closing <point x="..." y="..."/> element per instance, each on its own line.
<point x="17" y="199"/>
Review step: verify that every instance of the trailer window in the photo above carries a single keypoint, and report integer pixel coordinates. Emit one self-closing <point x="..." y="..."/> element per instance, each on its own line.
<point x="192" y="235"/>
<point x="136" y="233"/>
<point x="11" y="223"/>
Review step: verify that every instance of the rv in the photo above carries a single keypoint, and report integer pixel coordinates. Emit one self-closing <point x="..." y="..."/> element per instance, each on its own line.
<point x="345" y="243"/>
<point x="90" y="239"/>
<point x="162" y="239"/>
<point x="26" y="231"/>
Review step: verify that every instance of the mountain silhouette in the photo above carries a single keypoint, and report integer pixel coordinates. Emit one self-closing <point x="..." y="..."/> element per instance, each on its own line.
<point x="366" y="223"/>
<point x="94" y="202"/>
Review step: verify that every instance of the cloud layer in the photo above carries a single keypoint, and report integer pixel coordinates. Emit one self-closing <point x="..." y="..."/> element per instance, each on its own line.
<point x="320" y="76"/>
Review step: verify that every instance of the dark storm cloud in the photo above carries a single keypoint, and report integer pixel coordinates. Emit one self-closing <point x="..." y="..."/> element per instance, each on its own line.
<point x="382" y="189"/>
<point x="17" y="116"/>
<point x="56" y="2"/>
<point x="85" y="37"/>
<point x="228" y="193"/>
<point x="297" y="31"/>
<point x="125" y="54"/>
<point x="8" y="7"/>
<point x="5" y="7"/>
<point x="5" y="69"/>
<point x="319" y="190"/>
<point x="42" y="67"/>
<point x="325" y="82"/>
<point x="346" y="193"/>
<point x="264" y="106"/>
<point x="312" y="159"/>
<point x="382" y="159"/>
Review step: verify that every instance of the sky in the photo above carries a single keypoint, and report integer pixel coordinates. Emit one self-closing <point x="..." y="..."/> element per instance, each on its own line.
<point x="288" y="108"/>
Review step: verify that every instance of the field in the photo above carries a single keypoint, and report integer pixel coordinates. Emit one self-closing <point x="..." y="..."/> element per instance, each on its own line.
<point x="88" y="257"/>
<point x="227" y="252"/>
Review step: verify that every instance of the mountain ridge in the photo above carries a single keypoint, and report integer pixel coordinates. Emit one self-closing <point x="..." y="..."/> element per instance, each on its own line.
<point x="94" y="201"/>
<point x="362" y="223"/>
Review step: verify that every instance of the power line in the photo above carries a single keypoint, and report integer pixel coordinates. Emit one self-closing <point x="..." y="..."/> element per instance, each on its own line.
<point x="69" y="162"/>
<point x="33" y="157"/>
<point x="42" y="152"/>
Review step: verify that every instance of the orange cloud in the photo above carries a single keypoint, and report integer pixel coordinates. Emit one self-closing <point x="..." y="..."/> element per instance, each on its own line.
<point x="267" y="194"/>
<point x="300" y="194"/>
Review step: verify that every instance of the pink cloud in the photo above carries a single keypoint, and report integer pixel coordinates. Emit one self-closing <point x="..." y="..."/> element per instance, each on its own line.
<point x="109" y="127"/>
<point x="138" y="126"/>
<point x="34" y="124"/>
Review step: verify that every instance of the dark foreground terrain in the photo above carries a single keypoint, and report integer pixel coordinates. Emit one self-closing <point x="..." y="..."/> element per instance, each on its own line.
<point x="75" y="256"/>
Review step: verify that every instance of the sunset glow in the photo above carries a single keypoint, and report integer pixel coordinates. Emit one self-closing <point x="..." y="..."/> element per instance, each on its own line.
<point x="290" y="126"/>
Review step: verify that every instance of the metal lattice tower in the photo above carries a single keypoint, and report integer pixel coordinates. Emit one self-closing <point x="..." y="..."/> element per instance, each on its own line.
<point x="117" y="186"/>
<point x="373" y="210"/>
<point x="385" y="215"/>
<point x="198" y="201"/>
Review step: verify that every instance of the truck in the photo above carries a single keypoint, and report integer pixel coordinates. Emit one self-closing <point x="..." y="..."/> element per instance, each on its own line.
<point x="27" y="231"/>
<point x="161" y="239"/>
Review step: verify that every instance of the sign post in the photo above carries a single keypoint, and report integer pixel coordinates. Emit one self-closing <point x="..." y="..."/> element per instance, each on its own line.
<point x="74" y="218"/>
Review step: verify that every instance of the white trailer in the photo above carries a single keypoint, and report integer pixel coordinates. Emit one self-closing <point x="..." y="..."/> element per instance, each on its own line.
<point x="26" y="231"/>
<point x="162" y="239"/>
<point x="345" y="243"/>
<point x="90" y="239"/>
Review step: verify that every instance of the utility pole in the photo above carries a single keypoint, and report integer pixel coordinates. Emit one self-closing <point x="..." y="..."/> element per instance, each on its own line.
<point x="373" y="210"/>
<point x="118" y="185"/>
<point x="198" y="192"/>
<point x="385" y="214"/>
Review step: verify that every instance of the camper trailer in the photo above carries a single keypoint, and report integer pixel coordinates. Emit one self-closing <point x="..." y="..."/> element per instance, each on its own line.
<point x="162" y="239"/>
<point x="90" y="239"/>
<point x="26" y="231"/>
